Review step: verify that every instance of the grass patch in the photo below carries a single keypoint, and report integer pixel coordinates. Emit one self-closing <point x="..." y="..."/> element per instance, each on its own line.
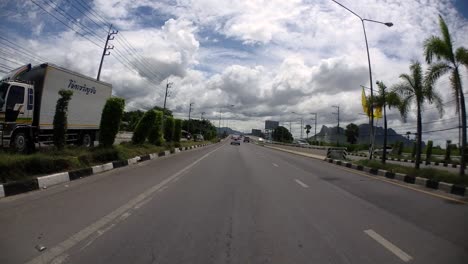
<point x="428" y="173"/>
<point x="14" y="167"/>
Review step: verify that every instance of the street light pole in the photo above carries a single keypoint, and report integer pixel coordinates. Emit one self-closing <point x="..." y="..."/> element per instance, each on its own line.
<point x="388" y="24"/>
<point x="338" y="127"/>
<point x="315" y="126"/>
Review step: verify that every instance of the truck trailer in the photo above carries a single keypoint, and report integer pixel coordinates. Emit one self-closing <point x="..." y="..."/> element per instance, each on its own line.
<point x="28" y="97"/>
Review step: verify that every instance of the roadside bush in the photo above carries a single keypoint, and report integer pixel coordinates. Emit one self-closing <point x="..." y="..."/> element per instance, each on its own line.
<point x="110" y="121"/>
<point x="169" y="129"/>
<point x="60" y="118"/>
<point x="177" y="130"/>
<point x="143" y="127"/>
<point x="105" y="155"/>
<point x="429" y="151"/>
<point x="400" y="148"/>
<point x="155" y="136"/>
<point x="448" y="151"/>
<point x="413" y="151"/>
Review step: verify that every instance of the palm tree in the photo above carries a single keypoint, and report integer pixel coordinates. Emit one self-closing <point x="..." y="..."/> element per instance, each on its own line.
<point x="384" y="99"/>
<point x="307" y="129"/>
<point x="413" y="88"/>
<point x="448" y="62"/>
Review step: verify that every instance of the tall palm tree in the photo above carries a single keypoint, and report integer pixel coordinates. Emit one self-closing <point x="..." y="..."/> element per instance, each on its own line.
<point x="307" y="129"/>
<point x="384" y="99"/>
<point x="448" y="62"/>
<point x="414" y="89"/>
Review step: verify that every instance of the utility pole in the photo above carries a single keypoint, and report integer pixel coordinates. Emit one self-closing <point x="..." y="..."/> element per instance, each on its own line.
<point x="302" y="127"/>
<point x="105" y="52"/>
<point x="338" y="128"/>
<point x="219" y="124"/>
<point x="190" y="111"/>
<point x="168" y="86"/>
<point x="315" y="127"/>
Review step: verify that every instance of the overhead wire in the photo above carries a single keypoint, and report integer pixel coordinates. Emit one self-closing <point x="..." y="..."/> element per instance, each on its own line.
<point x="81" y="26"/>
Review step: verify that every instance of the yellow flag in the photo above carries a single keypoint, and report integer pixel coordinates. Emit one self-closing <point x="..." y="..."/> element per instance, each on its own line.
<point x="378" y="112"/>
<point x="365" y="107"/>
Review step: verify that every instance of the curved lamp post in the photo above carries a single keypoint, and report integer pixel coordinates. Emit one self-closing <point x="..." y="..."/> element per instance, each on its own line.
<point x="388" y="24"/>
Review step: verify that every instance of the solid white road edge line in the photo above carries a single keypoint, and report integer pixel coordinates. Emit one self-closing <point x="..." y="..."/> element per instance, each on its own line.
<point x="301" y="183"/>
<point x="388" y="245"/>
<point x="274" y="164"/>
<point x="59" y="249"/>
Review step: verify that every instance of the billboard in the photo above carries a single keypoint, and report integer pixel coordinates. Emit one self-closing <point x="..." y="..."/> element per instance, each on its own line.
<point x="269" y="124"/>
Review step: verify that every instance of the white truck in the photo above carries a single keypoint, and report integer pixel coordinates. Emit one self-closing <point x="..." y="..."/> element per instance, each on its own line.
<point x="28" y="97"/>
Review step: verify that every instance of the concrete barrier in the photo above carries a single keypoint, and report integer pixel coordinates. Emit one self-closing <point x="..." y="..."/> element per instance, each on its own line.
<point x="400" y="176"/>
<point x="103" y="167"/>
<point x="53" y="179"/>
<point x="446" y="187"/>
<point x="421" y="181"/>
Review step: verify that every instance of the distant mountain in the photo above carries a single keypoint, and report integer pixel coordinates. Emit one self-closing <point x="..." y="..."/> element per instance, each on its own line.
<point x="329" y="134"/>
<point x="228" y="130"/>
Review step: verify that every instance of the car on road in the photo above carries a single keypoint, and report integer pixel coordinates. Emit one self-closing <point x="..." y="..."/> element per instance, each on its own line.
<point x="198" y="137"/>
<point x="301" y="142"/>
<point x="247" y="139"/>
<point x="235" y="141"/>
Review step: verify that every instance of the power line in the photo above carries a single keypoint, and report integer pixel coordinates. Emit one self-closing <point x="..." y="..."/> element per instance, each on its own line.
<point x="125" y="43"/>
<point x="75" y="21"/>
<point x="12" y="61"/>
<point x="65" y="24"/>
<point x="13" y="46"/>
<point x="96" y="44"/>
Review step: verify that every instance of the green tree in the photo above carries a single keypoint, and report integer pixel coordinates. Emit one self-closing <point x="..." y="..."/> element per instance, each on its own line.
<point x="166" y="111"/>
<point x="448" y="151"/>
<point x="143" y="127"/>
<point x="169" y="129"/>
<point x="352" y="133"/>
<point x="177" y="130"/>
<point x="429" y="151"/>
<point x="60" y="122"/>
<point x="307" y="129"/>
<point x="448" y="62"/>
<point x="384" y="99"/>
<point x="282" y="134"/>
<point x="155" y="136"/>
<point x="414" y="89"/>
<point x="110" y="120"/>
<point x="130" y="120"/>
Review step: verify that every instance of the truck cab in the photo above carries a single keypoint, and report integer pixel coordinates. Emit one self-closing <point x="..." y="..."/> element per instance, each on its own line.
<point x="16" y="110"/>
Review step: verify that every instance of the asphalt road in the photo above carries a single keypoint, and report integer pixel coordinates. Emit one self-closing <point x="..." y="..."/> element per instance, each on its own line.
<point x="233" y="204"/>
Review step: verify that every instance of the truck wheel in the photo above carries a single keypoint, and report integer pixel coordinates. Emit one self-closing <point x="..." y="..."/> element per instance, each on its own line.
<point x="86" y="140"/>
<point x="21" y="142"/>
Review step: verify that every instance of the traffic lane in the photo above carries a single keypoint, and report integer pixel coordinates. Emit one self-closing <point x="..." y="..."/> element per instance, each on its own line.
<point x="46" y="217"/>
<point x="347" y="213"/>
<point x="233" y="207"/>
<point x="441" y="217"/>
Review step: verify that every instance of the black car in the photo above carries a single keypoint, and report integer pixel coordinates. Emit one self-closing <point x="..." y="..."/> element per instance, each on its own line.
<point x="247" y="139"/>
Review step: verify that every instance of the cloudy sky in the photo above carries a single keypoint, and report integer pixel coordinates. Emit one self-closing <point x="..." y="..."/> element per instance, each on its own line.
<point x="253" y="60"/>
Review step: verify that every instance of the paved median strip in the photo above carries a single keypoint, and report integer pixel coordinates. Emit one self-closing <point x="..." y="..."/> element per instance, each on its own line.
<point x="421" y="182"/>
<point x="43" y="182"/>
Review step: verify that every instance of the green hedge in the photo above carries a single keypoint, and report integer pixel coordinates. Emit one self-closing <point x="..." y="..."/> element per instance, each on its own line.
<point x="110" y="120"/>
<point x="60" y="122"/>
<point x="155" y="136"/>
<point x="177" y="130"/>
<point x="143" y="127"/>
<point x="169" y="129"/>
